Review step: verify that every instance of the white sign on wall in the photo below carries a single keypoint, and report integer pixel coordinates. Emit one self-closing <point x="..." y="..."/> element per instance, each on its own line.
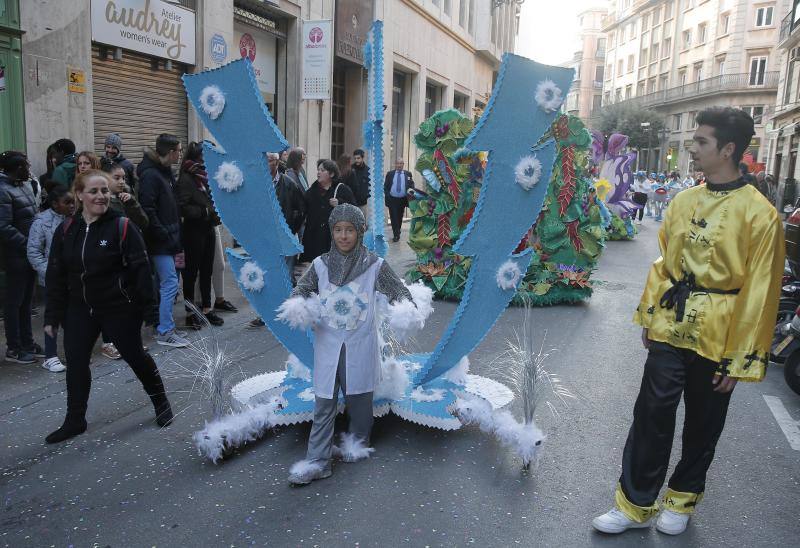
<point x="317" y="59"/>
<point x="262" y="50"/>
<point x="154" y="27"/>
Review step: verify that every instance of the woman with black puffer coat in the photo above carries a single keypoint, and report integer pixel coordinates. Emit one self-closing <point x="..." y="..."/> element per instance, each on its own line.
<point x="98" y="278"/>
<point x="198" y="219"/>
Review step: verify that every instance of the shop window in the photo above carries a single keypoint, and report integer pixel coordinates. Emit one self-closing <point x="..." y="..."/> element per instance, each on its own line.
<point x="399" y="126"/>
<point x="433" y="100"/>
<point x="337" y="113"/>
<point x="460" y="103"/>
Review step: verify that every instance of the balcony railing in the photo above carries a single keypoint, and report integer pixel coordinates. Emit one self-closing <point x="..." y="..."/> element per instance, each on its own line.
<point x="786" y="27"/>
<point x="716" y="84"/>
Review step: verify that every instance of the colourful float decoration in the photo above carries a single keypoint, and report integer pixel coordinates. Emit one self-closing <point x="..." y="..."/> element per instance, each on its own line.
<point x="567" y="237"/>
<point x="613" y="183"/>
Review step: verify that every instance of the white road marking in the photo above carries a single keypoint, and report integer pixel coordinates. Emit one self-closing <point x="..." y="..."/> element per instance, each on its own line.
<point x="790" y="427"/>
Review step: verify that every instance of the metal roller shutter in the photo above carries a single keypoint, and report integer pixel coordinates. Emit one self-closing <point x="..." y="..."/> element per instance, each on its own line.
<point x="139" y="103"/>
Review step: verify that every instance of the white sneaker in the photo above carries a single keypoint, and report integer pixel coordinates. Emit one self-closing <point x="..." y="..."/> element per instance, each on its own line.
<point x="54" y="365"/>
<point x="171" y="338"/>
<point x="672" y="523"/>
<point x="614" y="521"/>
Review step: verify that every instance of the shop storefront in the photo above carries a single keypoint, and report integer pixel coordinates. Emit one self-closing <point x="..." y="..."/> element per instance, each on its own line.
<point x="136" y="71"/>
<point x="349" y="106"/>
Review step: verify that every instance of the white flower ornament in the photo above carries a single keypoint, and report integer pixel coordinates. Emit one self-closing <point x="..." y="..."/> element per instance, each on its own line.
<point x="508" y="275"/>
<point x="528" y="172"/>
<point x="251" y="277"/>
<point x="344" y="308"/>
<point x="548" y="96"/>
<point x="229" y="177"/>
<point x="212" y="101"/>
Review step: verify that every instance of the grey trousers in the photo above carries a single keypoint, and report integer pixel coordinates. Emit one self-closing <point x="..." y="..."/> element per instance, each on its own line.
<point x="359" y="410"/>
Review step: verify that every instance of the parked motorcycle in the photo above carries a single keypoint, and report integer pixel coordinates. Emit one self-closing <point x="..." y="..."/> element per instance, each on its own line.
<point x="786" y="350"/>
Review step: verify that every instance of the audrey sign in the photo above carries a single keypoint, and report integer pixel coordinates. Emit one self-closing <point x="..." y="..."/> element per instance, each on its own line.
<point x="153" y="27"/>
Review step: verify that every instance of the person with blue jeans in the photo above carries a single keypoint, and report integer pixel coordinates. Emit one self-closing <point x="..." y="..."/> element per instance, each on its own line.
<point x="157" y="197"/>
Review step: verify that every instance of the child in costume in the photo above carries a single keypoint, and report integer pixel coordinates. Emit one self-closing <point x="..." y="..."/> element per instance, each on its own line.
<point x="659" y="197"/>
<point x="708" y="314"/>
<point x="338" y="294"/>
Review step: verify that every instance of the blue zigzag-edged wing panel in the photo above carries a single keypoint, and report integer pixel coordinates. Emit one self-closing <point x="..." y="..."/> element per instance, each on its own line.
<point x="523" y="106"/>
<point x="230" y="106"/>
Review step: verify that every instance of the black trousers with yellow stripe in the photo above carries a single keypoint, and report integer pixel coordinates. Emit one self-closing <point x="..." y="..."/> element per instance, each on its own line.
<point x="669" y="373"/>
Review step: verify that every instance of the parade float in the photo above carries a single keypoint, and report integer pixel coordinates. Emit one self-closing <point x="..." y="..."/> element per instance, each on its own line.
<point x="567" y="236"/>
<point x="615" y="176"/>
<point x="519" y="146"/>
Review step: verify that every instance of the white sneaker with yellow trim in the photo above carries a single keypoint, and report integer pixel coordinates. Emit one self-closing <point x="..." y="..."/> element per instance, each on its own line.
<point x="614" y="521"/>
<point x="672" y="523"/>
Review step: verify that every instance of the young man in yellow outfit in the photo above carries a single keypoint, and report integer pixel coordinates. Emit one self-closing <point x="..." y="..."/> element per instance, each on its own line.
<point x="708" y="314"/>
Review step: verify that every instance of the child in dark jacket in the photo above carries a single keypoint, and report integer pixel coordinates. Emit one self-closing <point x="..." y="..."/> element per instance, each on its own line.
<point x="62" y="205"/>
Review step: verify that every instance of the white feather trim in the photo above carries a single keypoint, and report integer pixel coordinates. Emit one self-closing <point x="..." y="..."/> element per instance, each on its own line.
<point x="528" y="172"/>
<point x="407" y="317"/>
<point x="548" y="95"/>
<point x="458" y="374"/>
<point x="304" y="467"/>
<point x="229" y="177"/>
<point x="234" y="430"/>
<point x="352" y="448"/>
<point x="508" y="275"/>
<point x="251" y="276"/>
<point x="394" y="380"/>
<point x="420" y="394"/>
<point x="212" y="101"/>
<point x="296" y="370"/>
<point x="524" y="439"/>
<point x="299" y="312"/>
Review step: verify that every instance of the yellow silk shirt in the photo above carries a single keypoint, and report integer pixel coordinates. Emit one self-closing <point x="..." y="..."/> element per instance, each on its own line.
<point x="729" y="239"/>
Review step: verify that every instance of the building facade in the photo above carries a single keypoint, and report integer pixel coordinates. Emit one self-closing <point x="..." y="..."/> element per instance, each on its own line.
<point x="783" y="130"/>
<point x="585" y="96"/>
<point x="678" y="57"/>
<point x="85" y="68"/>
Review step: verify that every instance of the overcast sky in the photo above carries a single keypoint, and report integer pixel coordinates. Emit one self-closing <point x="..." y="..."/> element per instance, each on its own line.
<point x="548" y="34"/>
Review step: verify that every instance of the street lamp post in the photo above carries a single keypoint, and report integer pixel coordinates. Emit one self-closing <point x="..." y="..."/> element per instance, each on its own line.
<point x="646" y="127"/>
<point x="663" y="136"/>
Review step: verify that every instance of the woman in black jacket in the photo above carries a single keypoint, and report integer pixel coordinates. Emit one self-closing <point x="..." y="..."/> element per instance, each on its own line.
<point x="198" y="219"/>
<point x="98" y="278"/>
<point x="326" y="193"/>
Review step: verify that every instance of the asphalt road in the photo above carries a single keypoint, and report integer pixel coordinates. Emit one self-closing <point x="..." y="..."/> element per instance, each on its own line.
<point x="127" y="483"/>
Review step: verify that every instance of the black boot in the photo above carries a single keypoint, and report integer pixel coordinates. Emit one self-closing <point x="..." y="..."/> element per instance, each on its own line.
<point x="154" y="387"/>
<point x="72" y="427"/>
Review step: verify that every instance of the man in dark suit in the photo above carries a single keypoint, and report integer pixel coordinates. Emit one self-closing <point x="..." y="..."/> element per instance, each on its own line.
<point x="396" y="186"/>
